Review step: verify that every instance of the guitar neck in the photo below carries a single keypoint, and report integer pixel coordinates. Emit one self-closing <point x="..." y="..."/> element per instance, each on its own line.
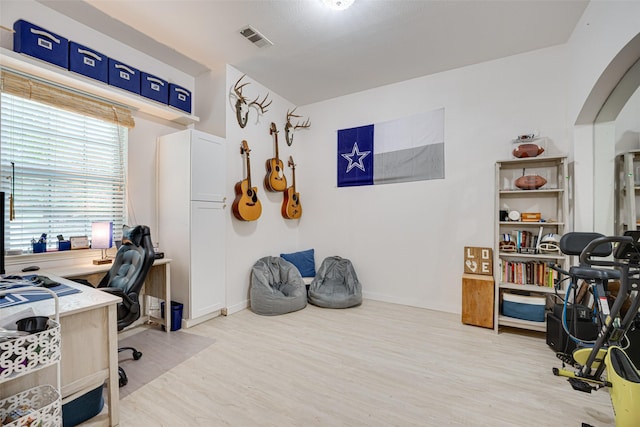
<point x="248" y="170"/>
<point x="293" y="173"/>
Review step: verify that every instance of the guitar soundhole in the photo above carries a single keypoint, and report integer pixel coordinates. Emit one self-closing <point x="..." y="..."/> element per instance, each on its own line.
<point x="278" y="169"/>
<point x="295" y="199"/>
<point x="253" y="196"/>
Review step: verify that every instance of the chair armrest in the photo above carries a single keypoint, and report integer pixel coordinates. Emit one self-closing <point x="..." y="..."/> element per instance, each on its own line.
<point x="129" y="300"/>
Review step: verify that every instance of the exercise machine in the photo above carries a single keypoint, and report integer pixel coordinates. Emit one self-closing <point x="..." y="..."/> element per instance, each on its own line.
<point x="603" y="362"/>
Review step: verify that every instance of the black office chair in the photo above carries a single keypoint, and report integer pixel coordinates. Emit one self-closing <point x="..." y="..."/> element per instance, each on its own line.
<point x="126" y="277"/>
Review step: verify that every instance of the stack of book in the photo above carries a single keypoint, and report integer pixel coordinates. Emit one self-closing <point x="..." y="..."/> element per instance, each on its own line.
<point x="535" y="273"/>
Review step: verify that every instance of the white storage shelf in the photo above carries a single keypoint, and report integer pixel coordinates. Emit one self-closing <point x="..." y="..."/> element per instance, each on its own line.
<point x="41" y="405"/>
<point x="522" y="324"/>
<point x="29" y="353"/>
<point x="43" y="70"/>
<point x="551" y="201"/>
<point x="627" y="203"/>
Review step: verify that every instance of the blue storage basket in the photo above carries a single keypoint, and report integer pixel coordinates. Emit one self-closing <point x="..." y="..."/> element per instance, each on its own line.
<point x="179" y="97"/>
<point x="40" y="43"/>
<point x="82" y="408"/>
<point x="88" y="62"/>
<point x="524" y="307"/>
<point x="154" y="88"/>
<point x="124" y="76"/>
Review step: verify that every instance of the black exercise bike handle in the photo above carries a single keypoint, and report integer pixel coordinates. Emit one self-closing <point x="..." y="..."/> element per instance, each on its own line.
<point x="585" y="256"/>
<point x="558" y="269"/>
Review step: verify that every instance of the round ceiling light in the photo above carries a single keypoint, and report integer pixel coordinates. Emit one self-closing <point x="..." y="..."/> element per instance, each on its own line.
<point x="338" y="4"/>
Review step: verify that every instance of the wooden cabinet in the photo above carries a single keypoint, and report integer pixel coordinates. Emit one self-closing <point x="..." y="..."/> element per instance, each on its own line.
<point x="477" y="300"/>
<point x="521" y="266"/>
<point x="191" y="220"/>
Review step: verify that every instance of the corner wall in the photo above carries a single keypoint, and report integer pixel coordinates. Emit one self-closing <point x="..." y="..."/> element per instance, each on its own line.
<point x="271" y="234"/>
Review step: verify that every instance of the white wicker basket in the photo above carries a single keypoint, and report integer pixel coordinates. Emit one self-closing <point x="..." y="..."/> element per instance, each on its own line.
<point x="24" y="354"/>
<point x="36" y="407"/>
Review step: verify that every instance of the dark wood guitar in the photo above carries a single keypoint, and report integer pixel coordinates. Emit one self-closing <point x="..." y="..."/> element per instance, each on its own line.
<point x="246" y="206"/>
<point x="291" y="207"/>
<point x="275" y="179"/>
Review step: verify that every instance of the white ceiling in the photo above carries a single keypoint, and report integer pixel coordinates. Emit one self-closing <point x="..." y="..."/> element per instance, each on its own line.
<point x="320" y="54"/>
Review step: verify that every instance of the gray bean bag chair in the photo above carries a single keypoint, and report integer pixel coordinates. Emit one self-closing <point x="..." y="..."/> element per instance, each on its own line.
<point x="276" y="287"/>
<point x="336" y="285"/>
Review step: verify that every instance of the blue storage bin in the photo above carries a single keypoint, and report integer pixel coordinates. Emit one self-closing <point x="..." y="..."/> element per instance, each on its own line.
<point x="64" y="245"/>
<point x="42" y="44"/>
<point x="88" y="62"/>
<point x="524" y="307"/>
<point x="180" y="97"/>
<point x="124" y="76"/>
<point x="82" y="408"/>
<point x="154" y="88"/>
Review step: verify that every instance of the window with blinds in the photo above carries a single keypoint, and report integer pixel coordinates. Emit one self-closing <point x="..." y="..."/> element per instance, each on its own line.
<point x="63" y="170"/>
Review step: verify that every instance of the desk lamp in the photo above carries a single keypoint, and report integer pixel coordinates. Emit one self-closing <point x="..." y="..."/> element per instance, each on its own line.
<point x="102" y="238"/>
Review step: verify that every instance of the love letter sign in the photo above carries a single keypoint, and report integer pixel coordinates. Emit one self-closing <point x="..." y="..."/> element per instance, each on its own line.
<point x="478" y="260"/>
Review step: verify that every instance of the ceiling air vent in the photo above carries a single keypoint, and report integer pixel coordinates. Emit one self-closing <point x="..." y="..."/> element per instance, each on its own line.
<point x="255" y="37"/>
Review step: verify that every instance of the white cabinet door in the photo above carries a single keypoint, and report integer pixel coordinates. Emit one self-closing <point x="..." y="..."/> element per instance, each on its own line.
<point x="207" y="258"/>
<point x="207" y="167"/>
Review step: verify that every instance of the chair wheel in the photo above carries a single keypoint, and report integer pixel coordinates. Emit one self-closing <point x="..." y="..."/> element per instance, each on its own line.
<point x="122" y="380"/>
<point x="137" y="355"/>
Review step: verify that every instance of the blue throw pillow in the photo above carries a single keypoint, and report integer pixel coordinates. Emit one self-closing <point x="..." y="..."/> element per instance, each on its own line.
<point x="304" y="262"/>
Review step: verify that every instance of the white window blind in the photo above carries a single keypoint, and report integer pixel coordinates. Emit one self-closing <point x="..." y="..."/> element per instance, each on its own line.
<point x="69" y="171"/>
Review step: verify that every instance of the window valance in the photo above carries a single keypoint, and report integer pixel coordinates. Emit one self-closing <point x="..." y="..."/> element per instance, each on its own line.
<point x="68" y="99"/>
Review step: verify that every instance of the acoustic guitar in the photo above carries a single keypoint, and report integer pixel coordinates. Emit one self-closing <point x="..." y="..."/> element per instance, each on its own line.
<point x="275" y="179"/>
<point x="291" y="207"/>
<point x="246" y="206"/>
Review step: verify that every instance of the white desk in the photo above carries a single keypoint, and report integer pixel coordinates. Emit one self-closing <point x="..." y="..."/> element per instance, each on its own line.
<point x="89" y="346"/>
<point x="157" y="284"/>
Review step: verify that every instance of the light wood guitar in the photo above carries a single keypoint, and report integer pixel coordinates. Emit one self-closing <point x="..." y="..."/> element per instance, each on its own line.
<point x="275" y="179"/>
<point x="291" y="207"/>
<point x="246" y="206"/>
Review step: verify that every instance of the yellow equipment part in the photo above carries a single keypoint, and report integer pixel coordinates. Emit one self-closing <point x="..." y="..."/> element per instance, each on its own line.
<point x="625" y="388"/>
<point x="582" y="354"/>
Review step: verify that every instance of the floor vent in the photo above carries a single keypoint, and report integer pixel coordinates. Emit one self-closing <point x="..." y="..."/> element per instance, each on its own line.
<point x="255" y="37"/>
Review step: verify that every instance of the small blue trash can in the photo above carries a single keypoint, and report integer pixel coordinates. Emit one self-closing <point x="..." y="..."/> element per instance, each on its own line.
<point x="176" y="315"/>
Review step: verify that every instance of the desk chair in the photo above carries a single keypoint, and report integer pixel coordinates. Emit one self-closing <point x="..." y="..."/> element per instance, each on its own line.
<point x="126" y="277"/>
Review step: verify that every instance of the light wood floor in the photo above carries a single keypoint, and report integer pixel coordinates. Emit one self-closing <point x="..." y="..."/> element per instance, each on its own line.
<point x="375" y="365"/>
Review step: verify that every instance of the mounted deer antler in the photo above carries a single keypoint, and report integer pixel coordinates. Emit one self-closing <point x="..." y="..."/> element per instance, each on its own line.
<point x="290" y="128"/>
<point x="241" y="101"/>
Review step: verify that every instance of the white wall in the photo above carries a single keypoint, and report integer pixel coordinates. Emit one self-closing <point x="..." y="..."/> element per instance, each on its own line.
<point x="603" y="30"/>
<point x="406" y="240"/>
<point x="42" y="16"/>
<point x="271" y="234"/>
<point x="628" y="125"/>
